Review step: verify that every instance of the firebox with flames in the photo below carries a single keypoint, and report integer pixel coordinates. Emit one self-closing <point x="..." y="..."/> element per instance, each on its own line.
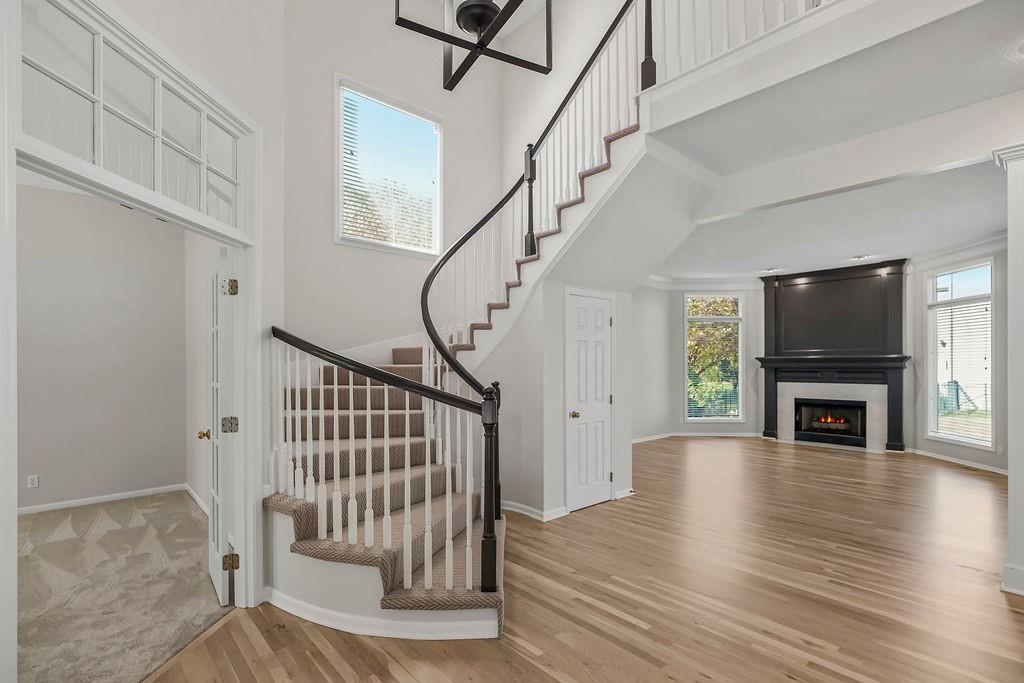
<point x="830" y="421"/>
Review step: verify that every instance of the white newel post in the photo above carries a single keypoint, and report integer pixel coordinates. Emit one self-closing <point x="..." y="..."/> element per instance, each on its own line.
<point x="1012" y="160"/>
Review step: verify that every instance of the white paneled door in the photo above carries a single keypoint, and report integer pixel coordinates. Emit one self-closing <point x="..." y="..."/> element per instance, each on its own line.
<point x="219" y="364"/>
<point x="588" y="398"/>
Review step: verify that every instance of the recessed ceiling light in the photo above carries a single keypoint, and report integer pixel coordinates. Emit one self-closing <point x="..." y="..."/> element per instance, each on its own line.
<point x="863" y="257"/>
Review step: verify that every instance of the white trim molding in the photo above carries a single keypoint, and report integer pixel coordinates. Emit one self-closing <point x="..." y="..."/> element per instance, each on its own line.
<point x="956" y="461"/>
<point x="125" y="495"/>
<point x="534" y="513"/>
<point x="1011" y="159"/>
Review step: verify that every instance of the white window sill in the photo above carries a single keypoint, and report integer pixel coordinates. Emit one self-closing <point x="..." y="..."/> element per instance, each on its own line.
<point x="966" y="443"/>
<point x="385" y="248"/>
<point x="714" y="420"/>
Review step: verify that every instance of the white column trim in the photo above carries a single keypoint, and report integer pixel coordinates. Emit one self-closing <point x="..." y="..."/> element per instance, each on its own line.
<point x="1011" y="158"/>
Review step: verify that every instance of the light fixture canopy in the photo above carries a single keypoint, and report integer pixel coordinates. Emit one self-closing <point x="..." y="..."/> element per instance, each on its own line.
<point x="483" y="20"/>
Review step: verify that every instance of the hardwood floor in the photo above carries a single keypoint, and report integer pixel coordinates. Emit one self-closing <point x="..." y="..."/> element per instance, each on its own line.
<point x="737" y="560"/>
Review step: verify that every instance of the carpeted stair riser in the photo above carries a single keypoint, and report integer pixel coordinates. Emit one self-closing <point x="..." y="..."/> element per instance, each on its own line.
<point x="300" y="510"/>
<point x="396" y="398"/>
<point x="417" y="456"/>
<point x="412" y="355"/>
<point x="413" y="372"/>
<point x="396" y="422"/>
<point x="390" y="560"/>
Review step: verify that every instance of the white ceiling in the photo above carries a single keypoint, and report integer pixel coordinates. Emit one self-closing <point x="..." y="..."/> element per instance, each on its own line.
<point x="967" y="57"/>
<point x="906" y="218"/>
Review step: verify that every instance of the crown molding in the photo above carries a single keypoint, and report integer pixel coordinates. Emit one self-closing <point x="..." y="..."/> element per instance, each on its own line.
<point x="705" y="284"/>
<point x="1004" y="156"/>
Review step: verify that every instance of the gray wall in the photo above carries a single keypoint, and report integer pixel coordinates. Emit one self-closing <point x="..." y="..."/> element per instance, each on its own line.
<point x="659" y="364"/>
<point x="101" y="348"/>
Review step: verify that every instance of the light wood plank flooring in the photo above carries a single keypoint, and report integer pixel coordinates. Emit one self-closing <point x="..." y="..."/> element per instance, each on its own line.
<point x="737" y="560"/>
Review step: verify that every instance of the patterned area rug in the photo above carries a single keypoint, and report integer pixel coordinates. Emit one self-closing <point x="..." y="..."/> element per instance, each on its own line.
<point x="109" y="592"/>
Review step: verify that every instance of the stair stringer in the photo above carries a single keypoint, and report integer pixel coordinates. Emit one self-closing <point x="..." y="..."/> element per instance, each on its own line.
<point x="626" y="152"/>
<point x="596" y="227"/>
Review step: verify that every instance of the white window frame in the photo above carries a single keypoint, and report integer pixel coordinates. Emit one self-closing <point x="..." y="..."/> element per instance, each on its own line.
<point x="931" y="321"/>
<point x="742" y="376"/>
<point x="342" y="83"/>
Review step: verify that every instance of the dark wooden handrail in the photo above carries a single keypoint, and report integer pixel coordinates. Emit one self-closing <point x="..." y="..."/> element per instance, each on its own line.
<point x="388" y="378"/>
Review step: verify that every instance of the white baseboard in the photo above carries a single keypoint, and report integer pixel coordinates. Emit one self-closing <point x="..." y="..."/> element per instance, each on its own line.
<point x="199" y="501"/>
<point x="958" y="461"/>
<point x="1013" y="579"/>
<point x="29" y="509"/>
<point x="539" y="515"/>
<point x="738" y="435"/>
<point x="448" y="625"/>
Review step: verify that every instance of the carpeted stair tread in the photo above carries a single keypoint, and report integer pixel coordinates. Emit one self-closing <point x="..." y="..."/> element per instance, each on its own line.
<point x="343" y="377"/>
<point x="302" y="398"/>
<point x="293" y="507"/>
<point x="390" y="560"/>
<point x="417" y="455"/>
<point x="420" y="598"/>
<point x="395" y="419"/>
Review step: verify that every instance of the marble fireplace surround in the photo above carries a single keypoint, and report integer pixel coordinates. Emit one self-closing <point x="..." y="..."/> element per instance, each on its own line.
<point x="875" y="395"/>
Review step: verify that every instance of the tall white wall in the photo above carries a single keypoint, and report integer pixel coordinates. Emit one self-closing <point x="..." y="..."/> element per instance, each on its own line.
<point x="346" y="296"/>
<point x="529" y="99"/>
<point x="659" y="364"/>
<point x="238" y="47"/>
<point x="101" y="346"/>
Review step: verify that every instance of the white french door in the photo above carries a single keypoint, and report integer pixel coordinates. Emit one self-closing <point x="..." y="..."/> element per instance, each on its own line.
<point x="588" y="422"/>
<point x="219" y="364"/>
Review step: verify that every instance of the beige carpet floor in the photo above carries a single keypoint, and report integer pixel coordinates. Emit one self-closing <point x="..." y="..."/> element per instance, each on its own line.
<point x="109" y="592"/>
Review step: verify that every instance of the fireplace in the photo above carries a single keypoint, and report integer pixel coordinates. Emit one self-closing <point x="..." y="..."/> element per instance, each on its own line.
<point x="828" y="421"/>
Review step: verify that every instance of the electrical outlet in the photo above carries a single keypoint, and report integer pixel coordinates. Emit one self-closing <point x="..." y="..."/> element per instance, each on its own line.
<point x="32" y="481"/>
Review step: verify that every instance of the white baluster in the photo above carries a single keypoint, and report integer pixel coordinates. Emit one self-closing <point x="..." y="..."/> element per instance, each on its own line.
<point x="386" y="524"/>
<point x="744" y="28"/>
<point x="296" y="425"/>
<point x="407" y="527"/>
<point x="338" y="523"/>
<point x="801" y="8"/>
<point x="284" y="461"/>
<point x="448" y="545"/>
<point x="368" y="521"/>
<point x="782" y="12"/>
<point x="321" y="489"/>
<point x="428" y="536"/>
<point x="310" y="481"/>
<point x="353" y="507"/>
<point x="710" y="49"/>
<point x="693" y="33"/>
<point x="458" y="445"/>
<point x="289" y="400"/>
<point x="725" y="26"/>
<point x="469" y="502"/>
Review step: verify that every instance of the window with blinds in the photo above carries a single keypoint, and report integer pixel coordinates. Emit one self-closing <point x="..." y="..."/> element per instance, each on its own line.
<point x="961" y="363"/>
<point x="713" y="369"/>
<point x="388" y="175"/>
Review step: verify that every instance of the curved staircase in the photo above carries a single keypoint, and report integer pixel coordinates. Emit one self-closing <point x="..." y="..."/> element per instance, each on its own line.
<point x="382" y="500"/>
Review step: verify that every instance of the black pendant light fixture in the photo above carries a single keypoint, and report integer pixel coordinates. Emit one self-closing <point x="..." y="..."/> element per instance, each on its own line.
<point x="481" y="21"/>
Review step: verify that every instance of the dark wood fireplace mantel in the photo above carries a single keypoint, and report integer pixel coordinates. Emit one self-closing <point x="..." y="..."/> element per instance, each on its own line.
<point x="836" y="326"/>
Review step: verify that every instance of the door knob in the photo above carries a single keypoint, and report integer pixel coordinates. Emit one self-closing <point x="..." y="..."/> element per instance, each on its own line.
<point x="574" y="414"/>
<point x="203" y="435"/>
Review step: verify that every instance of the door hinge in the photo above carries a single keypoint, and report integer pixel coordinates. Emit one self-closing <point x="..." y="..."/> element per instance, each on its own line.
<point x="611" y="476"/>
<point x="229" y="425"/>
<point x="611" y="399"/>
<point x="230" y="562"/>
<point x="611" y="322"/>
<point x="229" y="287"/>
